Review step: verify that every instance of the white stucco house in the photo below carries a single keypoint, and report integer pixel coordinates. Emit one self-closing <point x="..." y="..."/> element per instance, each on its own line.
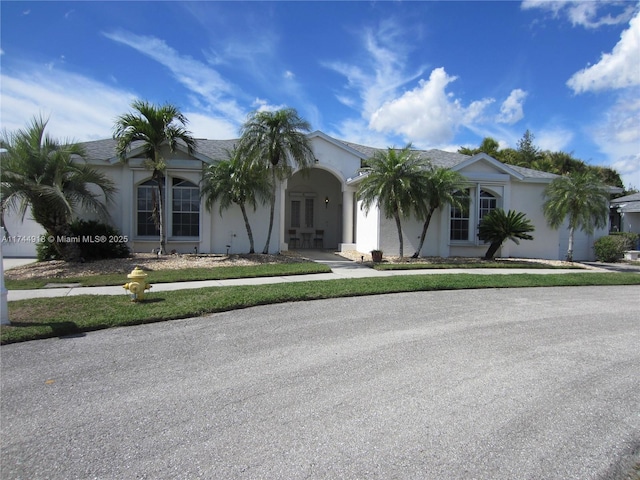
<point x="318" y="209"/>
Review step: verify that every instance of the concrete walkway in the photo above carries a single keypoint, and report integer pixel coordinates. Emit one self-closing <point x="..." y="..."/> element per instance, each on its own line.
<point x="341" y="268"/>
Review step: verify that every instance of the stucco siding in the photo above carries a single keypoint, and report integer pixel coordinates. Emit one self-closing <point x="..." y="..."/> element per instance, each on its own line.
<point x="367" y="231"/>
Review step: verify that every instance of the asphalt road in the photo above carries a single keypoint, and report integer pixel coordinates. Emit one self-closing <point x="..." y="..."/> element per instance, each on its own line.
<point x="481" y="384"/>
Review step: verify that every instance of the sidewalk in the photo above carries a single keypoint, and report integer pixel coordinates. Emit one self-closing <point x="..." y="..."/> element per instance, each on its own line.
<point x="341" y="268"/>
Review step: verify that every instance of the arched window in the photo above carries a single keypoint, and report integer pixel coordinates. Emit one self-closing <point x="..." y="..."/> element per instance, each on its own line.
<point x="459" y="228"/>
<point x="488" y="202"/>
<point x="185" y="215"/>
<point x="478" y="204"/>
<point x="147" y="216"/>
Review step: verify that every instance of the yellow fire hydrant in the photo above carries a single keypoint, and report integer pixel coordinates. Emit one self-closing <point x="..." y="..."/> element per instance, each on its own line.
<point x="137" y="285"/>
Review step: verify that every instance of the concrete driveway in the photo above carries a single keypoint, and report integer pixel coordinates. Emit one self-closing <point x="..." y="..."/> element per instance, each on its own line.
<point x="484" y="384"/>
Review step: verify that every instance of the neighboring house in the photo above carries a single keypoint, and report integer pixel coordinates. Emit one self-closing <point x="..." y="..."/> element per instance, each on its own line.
<point x="323" y="199"/>
<point x="625" y="214"/>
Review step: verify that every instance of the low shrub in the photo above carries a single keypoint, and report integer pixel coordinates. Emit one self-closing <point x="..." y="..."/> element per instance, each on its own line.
<point x="102" y="242"/>
<point x="612" y="247"/>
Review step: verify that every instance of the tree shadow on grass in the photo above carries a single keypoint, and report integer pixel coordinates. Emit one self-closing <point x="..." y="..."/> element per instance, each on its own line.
<point x="58" y="329"/>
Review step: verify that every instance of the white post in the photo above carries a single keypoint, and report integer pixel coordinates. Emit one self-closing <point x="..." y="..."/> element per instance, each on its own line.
<point x="4" y="310"/>
<point x="347" y="216"/>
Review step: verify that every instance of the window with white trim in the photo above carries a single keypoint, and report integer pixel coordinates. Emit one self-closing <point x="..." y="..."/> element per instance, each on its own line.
<point x="308" y="212"/>
<point x="295" y="213"/>
<point x="459" y="224"/>
<point x="147" y="213"/>
<point x="479" y="203"/>
<point x="487" y="203"/>
<point x="185" y="215"/>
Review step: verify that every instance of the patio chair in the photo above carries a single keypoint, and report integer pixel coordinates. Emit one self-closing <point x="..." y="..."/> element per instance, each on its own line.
<point x="318" y="240"/>
<point x="294" y="240"/>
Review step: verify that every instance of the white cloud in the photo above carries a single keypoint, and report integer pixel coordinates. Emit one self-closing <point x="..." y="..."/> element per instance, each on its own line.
<point x="78" y="108"/>
<point x="262" y="105"/>
<point x="427" y="114"/>
<point x="618" y="136"/>
<point x="381" y="68"/>
<point x="554" y="139"/>
<point x="194" y="75"/>
<point x="204" y="126"/>
<point x="511" y="110"/>
<point x="587" y="14"/>
<point x="618" y="69"/>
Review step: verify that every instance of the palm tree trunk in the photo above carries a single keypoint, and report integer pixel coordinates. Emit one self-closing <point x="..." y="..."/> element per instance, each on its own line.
<point x="570" y="249"/>
<point x="161" y="224"/>
<point x="248" y="227"/>
<point x="491" y="252"/>
<point x="67" y="247"/>
<point x="423" y="235"/>
<point x="396" y="215"/>
<point x="272" y="208"/>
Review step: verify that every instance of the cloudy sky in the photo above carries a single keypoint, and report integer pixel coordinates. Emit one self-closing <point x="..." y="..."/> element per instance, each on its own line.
<point x="436" y="74"/>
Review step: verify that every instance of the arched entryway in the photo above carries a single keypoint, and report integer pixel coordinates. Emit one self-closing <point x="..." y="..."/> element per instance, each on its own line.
<point x="313" y="203"/>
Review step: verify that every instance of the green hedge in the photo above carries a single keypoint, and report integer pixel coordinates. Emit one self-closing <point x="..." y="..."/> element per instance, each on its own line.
<point x="612" y="247"/>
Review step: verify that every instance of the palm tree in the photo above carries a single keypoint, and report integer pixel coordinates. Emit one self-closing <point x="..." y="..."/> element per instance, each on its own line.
<point x="443" y="186"/>
<point x="274" y="139"/>
<point x="489" y="145"/>
<point x="497" y="227"/>
<point x="40" y="173"/>
<point x="236" y="181"/>
<point x="395" y="181"/>
<point x="580" y="196"/>
<point x="154" y="127"/>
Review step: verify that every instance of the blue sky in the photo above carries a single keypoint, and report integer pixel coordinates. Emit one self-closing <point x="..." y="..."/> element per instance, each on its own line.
<point x="436" y="74"/>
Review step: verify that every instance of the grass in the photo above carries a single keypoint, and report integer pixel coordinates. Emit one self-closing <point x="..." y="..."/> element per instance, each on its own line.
<point x="484" y="264"/>
<point x="183" y="275"/>
<point x="54" y="317"/>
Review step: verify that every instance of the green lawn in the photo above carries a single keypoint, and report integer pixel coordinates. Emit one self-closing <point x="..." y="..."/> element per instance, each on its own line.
<point x="183" y="275"/>
<point x="52" y="317"/>
<point x="482" y="264"/>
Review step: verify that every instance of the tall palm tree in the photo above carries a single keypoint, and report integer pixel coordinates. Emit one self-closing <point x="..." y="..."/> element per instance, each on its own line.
<point x="153" y="127"/>
<point x="40" y="173"/>
<point x="275" y="139"/>
<point x="443" y="186"/>
<point x="580" y="196"/>
<point x="395" y="181"/>
<point x="497" y="227"/>
<point x="236" y="181"/>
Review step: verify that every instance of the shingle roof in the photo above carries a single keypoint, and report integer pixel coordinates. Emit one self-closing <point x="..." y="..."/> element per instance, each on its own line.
<point x="634" y="197"/>
<point x="104" y="150"/>
<point x="441" y="158"/>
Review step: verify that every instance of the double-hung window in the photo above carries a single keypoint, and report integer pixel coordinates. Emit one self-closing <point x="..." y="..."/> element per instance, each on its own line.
<point x="185" y="216"/>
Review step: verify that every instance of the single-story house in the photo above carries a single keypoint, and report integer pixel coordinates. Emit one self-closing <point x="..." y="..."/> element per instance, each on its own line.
<point x="318" y="209"/>
<point x="625" y="214"/>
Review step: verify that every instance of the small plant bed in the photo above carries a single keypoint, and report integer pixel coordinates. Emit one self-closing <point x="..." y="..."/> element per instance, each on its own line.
<point x="164" y="269"/>
<point x="54" y="317"/>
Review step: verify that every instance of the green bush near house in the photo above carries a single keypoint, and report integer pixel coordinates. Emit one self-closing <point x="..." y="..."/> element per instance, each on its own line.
<point x="97" y="241"/>
<point x="612" y="247"/>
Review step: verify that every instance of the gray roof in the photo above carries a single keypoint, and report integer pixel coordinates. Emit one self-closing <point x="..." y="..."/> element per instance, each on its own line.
<point x="441" y="158"/>
<point x="634" y="197"/>
<point x="628" y="203"/>
<point x="104" y="150"/>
